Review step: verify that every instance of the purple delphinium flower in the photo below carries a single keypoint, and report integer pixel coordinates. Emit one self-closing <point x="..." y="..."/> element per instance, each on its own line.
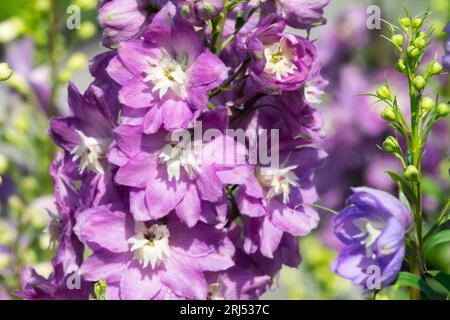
<point x="122" y="19"/>
<point x="164" y="174"/>
<point x="149" y="259"/>
<point x="300" y="14"/>
<point x="69" y="254"/>
<point x="167" y="74"/>
<point x="189" y="218"/>
<point x="373" y="229"/>
<point x="274" y="202"/>
<point x="86" y="133"/>
<point x="279" y="60"/>
<point x="85" y="136"/>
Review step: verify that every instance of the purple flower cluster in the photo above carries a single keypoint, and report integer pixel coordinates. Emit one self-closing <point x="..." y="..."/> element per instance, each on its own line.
<point x="150" y="181"/>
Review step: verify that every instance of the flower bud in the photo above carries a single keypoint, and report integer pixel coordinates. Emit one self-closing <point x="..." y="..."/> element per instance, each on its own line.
<point x="208" y="9"/>
<point x="87" y="30"/>
<point x="435" y="67"/>
<point x="417" y="22"/>
<point x="420" y="43"/>
<point x="405" y="22"/>
<point x="3" y="164"/>
<point x="413" y="52"/>
<point x="383" y="92"/>
<point x="10" y="29"/>
<point x="419" y="82"/>
<point x="185" y="10"/>
<point x="77" y="61"/>
<point x="388" y="114"/>
<point x="15" y="204"/>
<point x="427" y="104"/>
<point x="411" y="173"/>
<point x="5" y="72"/>
<point x="397" y="39"/>
<point x="42" y="5"/>
<point x="86" y="4"/>
<point x="442" y="109"/>
<point x="401" y="65"/>
<point x="390" y="144"/>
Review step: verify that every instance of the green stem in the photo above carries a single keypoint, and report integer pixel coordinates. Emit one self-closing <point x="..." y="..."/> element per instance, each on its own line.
<point x="218" y="25"/>
<point x="224" y="85"/>
<point x="417" y="264"/>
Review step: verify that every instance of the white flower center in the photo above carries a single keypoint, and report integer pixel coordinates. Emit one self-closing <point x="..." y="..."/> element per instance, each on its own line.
<point x="370" y="230"/>
<point x="279" y="59"/>
<point x="313" y="94"/>
<point x="279" y="181"/>
<point x="179" y="156"/>
<point x="150" y="245"/>
<point x="168" y="73"/>
<point x="90" y="151"/>
<point x="54" y="229"/>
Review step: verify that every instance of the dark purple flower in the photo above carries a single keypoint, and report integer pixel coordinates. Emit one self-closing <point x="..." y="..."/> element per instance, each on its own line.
<point x="279" y="61"/>
<point x="373" y="229"/>
<point x="86" y="133"/>
<point x="158" y="260"/>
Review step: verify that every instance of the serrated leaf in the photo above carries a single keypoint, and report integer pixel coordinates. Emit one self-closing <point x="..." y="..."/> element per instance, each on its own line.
<point x="406" y="279"/>
<point x="436" y="239"/>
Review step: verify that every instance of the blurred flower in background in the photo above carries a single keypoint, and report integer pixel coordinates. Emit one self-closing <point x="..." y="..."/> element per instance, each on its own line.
<point x="37" y="45"/>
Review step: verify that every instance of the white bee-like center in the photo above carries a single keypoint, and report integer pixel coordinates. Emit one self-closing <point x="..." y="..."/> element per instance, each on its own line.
<point x="150" y="246"/>
<point x="177" y="157"/>
<point x="90" y="151"/>
<point x="279" y="59"/>
<point x="370" y="231"/>
<point x="278" y="181"/>
<point x="168" y="73"/>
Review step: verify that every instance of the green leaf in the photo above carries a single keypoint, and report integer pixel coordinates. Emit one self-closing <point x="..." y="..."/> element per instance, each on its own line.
<point x="406" y="279"/>
<point x="99" y="290"/>
<point x="240" y="21"/>
<point x="436" y="239"/>
<point x="211" y="106"/>
<point x="403" y="185"/>
<point x="441" y="277"/>
<point x="429" y="186"/>
<point x="404" y="200"/>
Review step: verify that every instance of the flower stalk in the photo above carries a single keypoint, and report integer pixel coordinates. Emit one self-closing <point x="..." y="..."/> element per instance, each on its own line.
<point x="423" y="115"/>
